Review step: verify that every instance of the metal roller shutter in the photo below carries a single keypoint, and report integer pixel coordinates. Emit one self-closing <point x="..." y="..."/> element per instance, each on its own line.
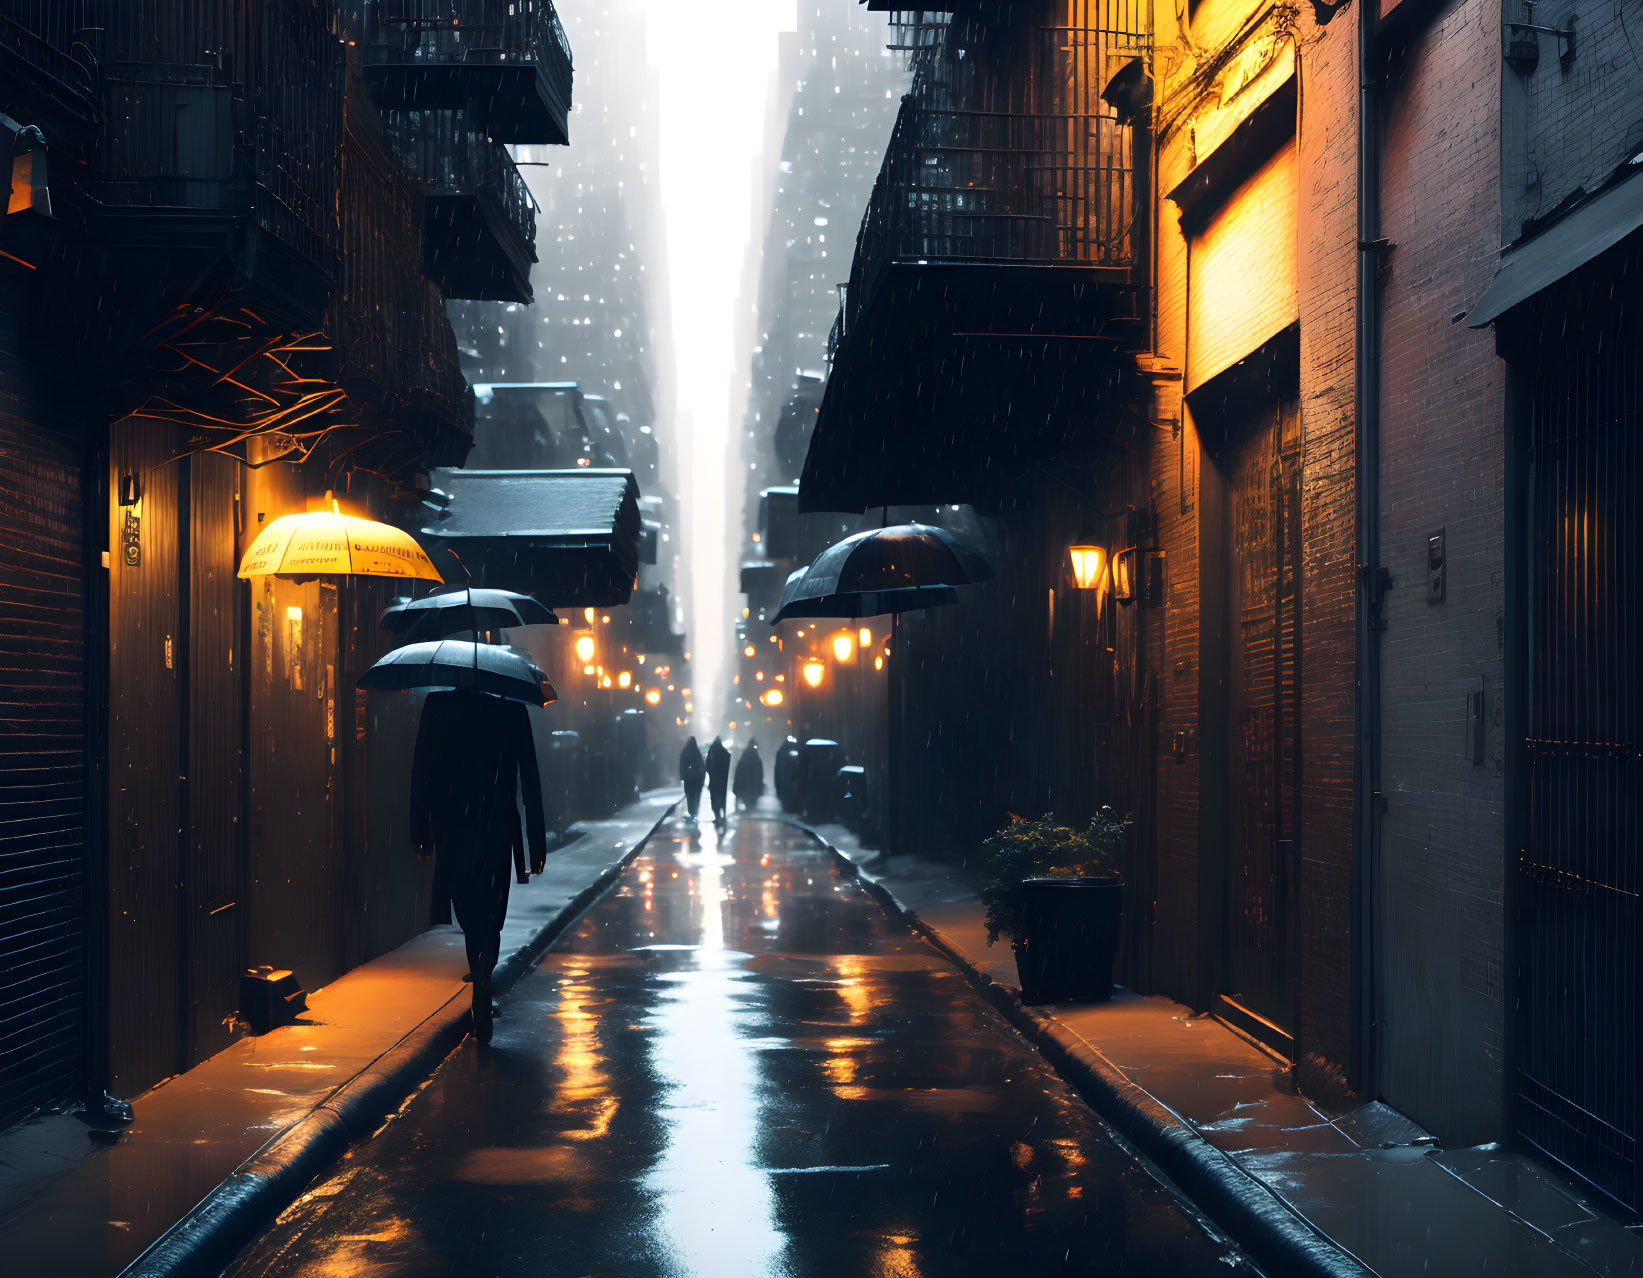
<point x="42" y="757"/>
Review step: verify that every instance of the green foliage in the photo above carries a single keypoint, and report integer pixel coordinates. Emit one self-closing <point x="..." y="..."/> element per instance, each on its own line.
<point x="1026" y="849"/>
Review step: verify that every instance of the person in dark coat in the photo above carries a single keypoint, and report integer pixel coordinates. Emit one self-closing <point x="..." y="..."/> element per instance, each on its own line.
<point x="749" y="781"/>
<point x="692" y="773"/>
<point x="718" y="778"/>
<point x="475" y="762"/>
<point x="787" y="759"/>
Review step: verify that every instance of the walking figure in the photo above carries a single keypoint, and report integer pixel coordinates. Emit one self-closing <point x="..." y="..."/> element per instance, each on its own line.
<point x="749" y="782"/>
<point x="718" y="778"/>
<point x="475" y="762"/>
<point x="692" y="773"/>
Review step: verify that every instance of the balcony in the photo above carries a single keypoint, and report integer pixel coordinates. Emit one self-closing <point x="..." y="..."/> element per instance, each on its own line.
<point x="506" y="62"/>
<point x="994" y="290"/>
<point x="479" y="221"/>
<point x="194" y="193"/>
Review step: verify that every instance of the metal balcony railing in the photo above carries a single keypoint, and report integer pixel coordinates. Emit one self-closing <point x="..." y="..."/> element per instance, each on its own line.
<point x="1003" y="152"/>
<point x="442" y="149"/>
<point x="444" y="32"/>
<point x="175" y="141"/>
<point x="914" y="32"/>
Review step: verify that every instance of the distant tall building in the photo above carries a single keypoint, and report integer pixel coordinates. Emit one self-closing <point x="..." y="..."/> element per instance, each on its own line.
<point x="842" y="84"/>
<point x="600" y="279"/>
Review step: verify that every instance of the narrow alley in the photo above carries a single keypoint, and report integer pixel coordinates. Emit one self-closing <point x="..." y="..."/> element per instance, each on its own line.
<point x="739" y="1064"/>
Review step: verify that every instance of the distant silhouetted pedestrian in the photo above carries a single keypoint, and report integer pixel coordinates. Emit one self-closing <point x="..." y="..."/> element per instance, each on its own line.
<point x="475" y="762"/>
<point x="787" y="759"/>
<point x="718" y="778"/>
<point x="692" y="773"/>
<point x="749" y="781"/>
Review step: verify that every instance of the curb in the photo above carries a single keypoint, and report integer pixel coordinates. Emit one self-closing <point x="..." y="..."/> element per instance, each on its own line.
<point x="1275" y="1235"/>
<point x="259" y="1189"/>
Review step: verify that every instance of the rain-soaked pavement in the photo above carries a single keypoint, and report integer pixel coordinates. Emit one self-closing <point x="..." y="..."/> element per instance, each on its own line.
<point x="786" y="1082"/>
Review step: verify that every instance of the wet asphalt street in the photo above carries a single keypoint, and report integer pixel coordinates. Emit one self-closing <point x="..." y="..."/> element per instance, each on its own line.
<point x="739" y="1064"/>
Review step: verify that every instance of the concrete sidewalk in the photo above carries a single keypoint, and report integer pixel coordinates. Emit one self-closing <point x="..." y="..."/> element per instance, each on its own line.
<point x="1376" y="1188"/>
<point x="213" y="1149"/>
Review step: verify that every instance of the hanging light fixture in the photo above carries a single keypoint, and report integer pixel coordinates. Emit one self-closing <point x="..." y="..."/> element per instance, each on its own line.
<point x="1089" y="564"/>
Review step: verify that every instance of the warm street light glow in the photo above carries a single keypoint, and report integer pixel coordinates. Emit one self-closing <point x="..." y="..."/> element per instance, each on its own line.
<point x="587" y="614"/>
<point x="749" y="650"/>
<point x="844" y="647"/>
<point x="625" y="679"/>
<point x="865" y="637"/>
<point x="878" y="663"/>
<point x="584" y="648"/>
<point x="653" y="697"/>
<point x="814" y="672"/>
<point x="1089" y="564"/>
<point x="773" y="698"/>
<point x="605" y="682"/>
<point x="587" y="670"/>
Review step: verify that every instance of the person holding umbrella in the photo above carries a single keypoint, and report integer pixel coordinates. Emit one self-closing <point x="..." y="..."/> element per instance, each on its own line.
<point x="475" y="761"/>
<point x="718" y="778"/>
<point x="749" y="781"/>
<point x="692" y="773"/>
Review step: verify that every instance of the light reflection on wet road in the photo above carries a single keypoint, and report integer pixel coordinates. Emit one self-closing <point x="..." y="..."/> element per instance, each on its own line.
<point x="739" y="1064"/>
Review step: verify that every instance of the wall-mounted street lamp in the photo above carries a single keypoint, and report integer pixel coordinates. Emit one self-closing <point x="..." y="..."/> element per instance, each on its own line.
<point x="1089" y="565"/>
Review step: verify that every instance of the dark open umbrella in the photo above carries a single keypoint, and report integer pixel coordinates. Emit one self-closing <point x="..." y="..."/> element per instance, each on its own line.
<point x="465" y="611"/>
<point x="873" y="603"/>
<point x="461" y="664"/>
<point x="898" y="569"/>
<point x="884" y="570"/>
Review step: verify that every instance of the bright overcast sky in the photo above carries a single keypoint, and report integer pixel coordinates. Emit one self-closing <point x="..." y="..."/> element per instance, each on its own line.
<point x="714" y="63"/>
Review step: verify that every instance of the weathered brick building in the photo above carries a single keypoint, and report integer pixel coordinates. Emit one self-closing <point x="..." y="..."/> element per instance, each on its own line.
<point x="1370" y="693"/>
<point x="222" y="288"/>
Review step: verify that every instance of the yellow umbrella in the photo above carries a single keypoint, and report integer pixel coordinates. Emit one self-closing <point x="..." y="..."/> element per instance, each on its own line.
<point x="323" y="542"/>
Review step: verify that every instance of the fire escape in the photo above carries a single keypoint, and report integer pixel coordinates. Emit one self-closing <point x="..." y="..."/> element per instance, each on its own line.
<point x="995" y="294"/>
<point x="457" y="81"/>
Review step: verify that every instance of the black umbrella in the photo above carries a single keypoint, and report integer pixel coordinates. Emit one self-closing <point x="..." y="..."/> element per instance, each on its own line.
<point x="897" y="569"/>
<point x="873" y="603"/>
<point x="465" y="665"/>
<point x="468" y="610"/>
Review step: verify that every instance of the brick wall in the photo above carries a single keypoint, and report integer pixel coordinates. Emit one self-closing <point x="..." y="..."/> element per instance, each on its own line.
<point x="1327" y="132"/>
<point x="1439" y="911"/>
<point x="1324" y="256"/>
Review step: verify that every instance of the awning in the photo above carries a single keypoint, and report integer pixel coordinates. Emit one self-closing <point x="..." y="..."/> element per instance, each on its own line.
<point x="1564" y="247"/>
<point x="569" y="537"/>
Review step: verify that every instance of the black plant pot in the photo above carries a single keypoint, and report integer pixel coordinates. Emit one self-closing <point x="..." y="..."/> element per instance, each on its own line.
<point x="1069" y="935"/>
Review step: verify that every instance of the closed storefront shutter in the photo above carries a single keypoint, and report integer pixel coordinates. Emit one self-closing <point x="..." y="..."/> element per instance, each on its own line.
<point x="1244" y="281"/>
<point x="42" y="758"/>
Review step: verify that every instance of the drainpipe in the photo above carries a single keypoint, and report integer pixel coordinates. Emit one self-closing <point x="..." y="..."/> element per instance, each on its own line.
<point x="1372" y="577"/>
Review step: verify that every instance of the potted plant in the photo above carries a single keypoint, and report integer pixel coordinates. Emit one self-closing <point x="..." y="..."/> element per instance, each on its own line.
<point x="1058" y="894"/>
